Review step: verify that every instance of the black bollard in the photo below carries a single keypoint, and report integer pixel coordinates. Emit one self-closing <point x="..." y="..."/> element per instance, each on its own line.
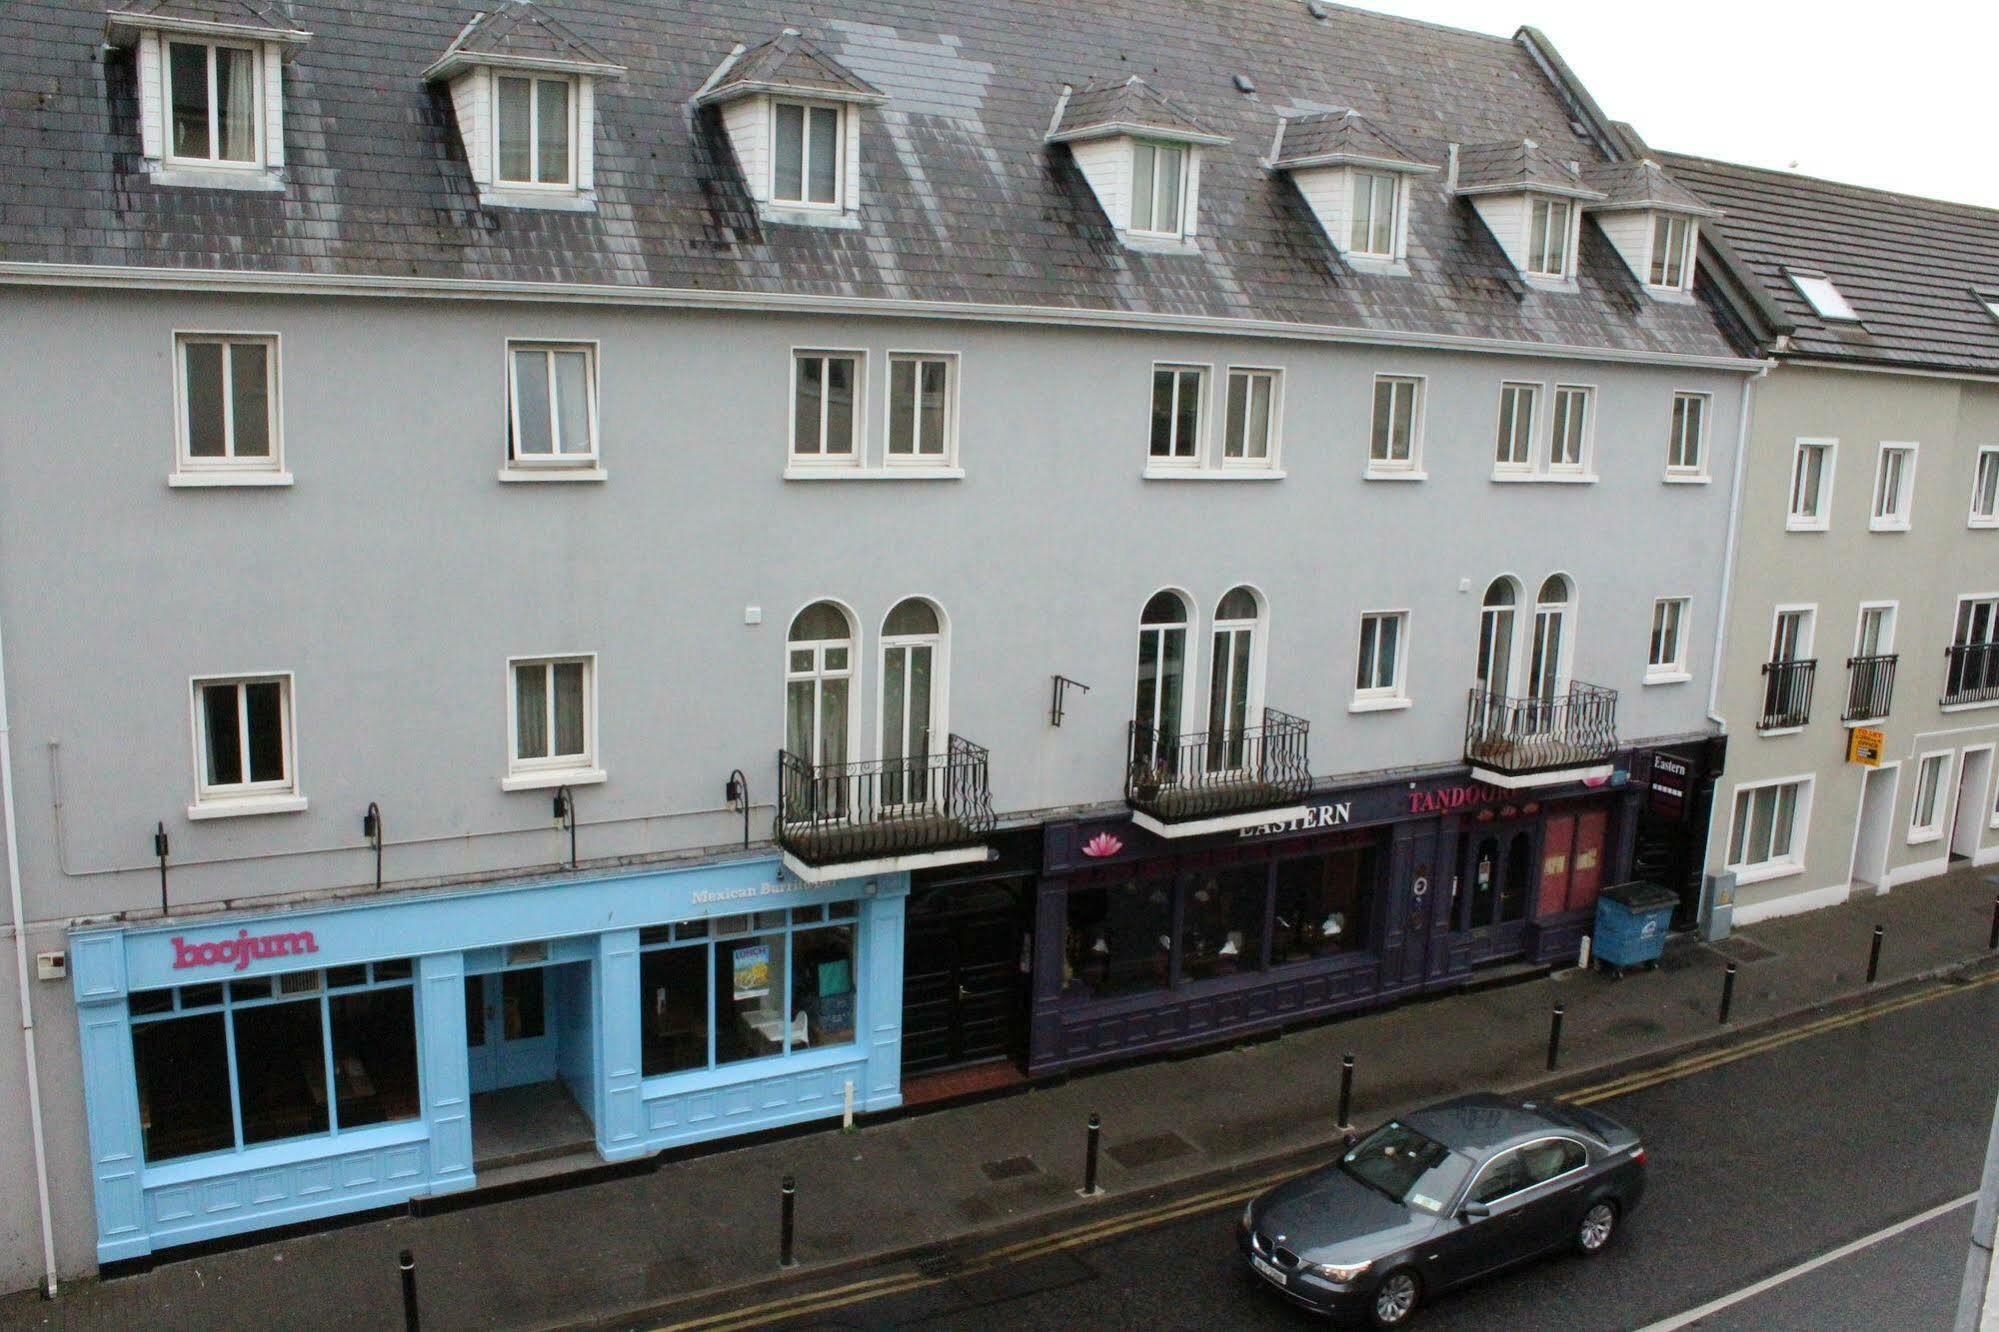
<point x="787" y="1217"/>
<point x="1993" y="942"/>
<point x="407" y="1262"/>
<point x="1874" y="955"/>
<point x="1554" y="1038"/>
<point x="1727" y="992"/>
<point x="1096" y="1133"/>
<point x="1346" y="1092"/>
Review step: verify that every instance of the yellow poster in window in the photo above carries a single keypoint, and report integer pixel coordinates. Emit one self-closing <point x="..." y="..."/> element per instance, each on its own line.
<point x="1864" y="746"/>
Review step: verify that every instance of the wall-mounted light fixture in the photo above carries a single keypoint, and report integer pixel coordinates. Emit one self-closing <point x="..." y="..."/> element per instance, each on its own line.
<point x="565" y="813"/>
<point x="160" y="850"/>
<point x="1063" y="684"/>
<point x="737" y="793"/>
<point x="371" y="828"/>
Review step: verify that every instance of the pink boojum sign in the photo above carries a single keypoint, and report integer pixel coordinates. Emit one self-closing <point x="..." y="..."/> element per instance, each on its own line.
<point x="242" y="950"/>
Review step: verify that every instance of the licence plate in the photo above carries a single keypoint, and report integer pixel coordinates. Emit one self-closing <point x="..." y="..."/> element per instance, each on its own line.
<point x="1265" y="1270"/>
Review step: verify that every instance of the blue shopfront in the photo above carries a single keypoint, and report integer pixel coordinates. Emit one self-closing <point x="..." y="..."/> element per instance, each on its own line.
<point x="251" y="1071"/>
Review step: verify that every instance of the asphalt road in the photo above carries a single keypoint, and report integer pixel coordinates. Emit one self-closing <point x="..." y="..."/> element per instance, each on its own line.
<point x="1757" y="1166"/>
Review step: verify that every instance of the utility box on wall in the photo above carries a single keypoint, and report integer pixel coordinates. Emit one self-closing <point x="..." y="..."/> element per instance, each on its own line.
<point x="51" y="966"/>
<point x="1717" y="906"/>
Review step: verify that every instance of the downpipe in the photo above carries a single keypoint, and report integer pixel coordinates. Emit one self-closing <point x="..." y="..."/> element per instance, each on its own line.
<point x="20" y="920"/>
<point x="1743" y="416"/>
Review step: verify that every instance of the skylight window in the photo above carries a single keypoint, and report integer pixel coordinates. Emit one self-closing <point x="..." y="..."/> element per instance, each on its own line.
<point x="1824" y="298"/>
<point x="1988" y="299"/>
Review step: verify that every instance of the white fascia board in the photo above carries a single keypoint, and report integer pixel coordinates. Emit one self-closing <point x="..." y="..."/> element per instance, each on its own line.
<point x="120" y="278"/>
<point x="121" y="28"/>
<point x="1578" y="192"/>
<point x="454" y="63"/>
<point x="863" y="869"/>
<point x="1150" y="133"/>
<point x="1394" y="164"/>
<point x="734" y="92"/>
<point x="1255" y="818"/>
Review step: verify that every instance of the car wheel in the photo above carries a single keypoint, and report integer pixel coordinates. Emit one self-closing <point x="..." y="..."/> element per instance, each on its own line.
<point x="1395" y="1299"/>
<point x="1599" y="1224"/>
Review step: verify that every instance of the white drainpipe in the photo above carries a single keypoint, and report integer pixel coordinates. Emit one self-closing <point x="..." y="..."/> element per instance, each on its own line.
<point x="1743" y="414"/>
<point x="21" y="971"/>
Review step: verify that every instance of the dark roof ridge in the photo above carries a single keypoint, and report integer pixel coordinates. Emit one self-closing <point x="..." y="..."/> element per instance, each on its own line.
<point x="1849" y="187"/>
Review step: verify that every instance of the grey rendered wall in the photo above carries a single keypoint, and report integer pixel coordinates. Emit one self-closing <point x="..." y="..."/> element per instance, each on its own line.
<point x="1924" y="569"/>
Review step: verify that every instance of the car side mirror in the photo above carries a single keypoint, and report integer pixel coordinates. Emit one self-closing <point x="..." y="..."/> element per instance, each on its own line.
<point x="1474" y="1210"/>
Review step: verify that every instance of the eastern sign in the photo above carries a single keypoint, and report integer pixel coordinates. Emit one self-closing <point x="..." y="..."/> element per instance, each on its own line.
<point x="1865" y="745"/>
<point x="1317" y="816"/>
<point x="1670" y="776"/>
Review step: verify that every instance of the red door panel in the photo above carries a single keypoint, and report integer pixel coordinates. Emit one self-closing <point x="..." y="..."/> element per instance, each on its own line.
<point x="1557" y="840"/>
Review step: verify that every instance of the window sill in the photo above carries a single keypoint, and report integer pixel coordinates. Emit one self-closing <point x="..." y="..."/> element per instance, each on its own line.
<point x="1546" y="478"/>
<point x="683" y="1081"/>
<point x="836" y="472"/>
<point x="219" y="1165"/>
<point x="1968" y="707"/>
<point x="1765" y="873"/>
<point x="1376" y="264"/>
<point x="1924" y="836"/>
<point x="1387" y="474"/>
<point x="1181" y="245"/>
<point x="1379" y="704"/>
<point x="1807" y="525"/>
<point x="1887" y="525"/>
<point x="531" y="474"/>
<point x="797" y="215"/>
<point x="245" y="807"/>
<point x="1776" y="731"/>
<point x="1982" y="524"/>
<point x="551" y="201"/>
<point x="1671" y="295"/>
<point x="1687" y="479"/>
<point x="1549" y="282"/>
<point x="1213" y="474"/>
<point x="1668" y="677"/>
<point x="553" y="777"/>
<point x="217" y="479"/>
<point x="1855" y="723"/>
<point x="256" y="179"/>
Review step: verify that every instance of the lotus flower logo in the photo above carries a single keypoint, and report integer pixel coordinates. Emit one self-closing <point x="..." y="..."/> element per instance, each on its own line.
<point x="1103" y="844"/>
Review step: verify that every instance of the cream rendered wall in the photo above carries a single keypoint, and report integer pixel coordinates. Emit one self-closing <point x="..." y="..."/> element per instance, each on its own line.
<point x="1923" y="570"/>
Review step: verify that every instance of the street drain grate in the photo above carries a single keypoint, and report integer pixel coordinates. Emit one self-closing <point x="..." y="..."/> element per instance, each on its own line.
<point x="1743" y="950"/>
<point x="1011" y="1168"/>
<point x="1150" y="1151"/>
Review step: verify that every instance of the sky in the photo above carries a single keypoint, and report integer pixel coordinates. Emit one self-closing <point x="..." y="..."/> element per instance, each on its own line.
<point x="1901" y="97"/>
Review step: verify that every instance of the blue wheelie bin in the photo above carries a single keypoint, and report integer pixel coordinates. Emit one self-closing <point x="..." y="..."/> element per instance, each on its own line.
<point x="1631" y="923"/>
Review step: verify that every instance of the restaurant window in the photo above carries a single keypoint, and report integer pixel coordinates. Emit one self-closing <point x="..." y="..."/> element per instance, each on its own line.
<point x="1323" y="905"/>
<point x="220" y="1068"/>
<point x="1121" y="937"/>
<point x="1222" y="931"/>
<point x="745" y="987"/>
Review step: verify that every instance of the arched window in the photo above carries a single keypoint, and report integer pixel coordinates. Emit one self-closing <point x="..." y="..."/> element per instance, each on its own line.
<point x="1495" y="636"/>
<point x="1547" y="670"/>
<point x="912" y="646"/>
<point x="819" y="670"/>
<point x="1162" y="678"/>
<point x="1231" y="678"/>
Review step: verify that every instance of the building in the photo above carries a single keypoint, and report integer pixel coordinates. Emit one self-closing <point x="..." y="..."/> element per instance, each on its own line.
<point x="1861" y="676"/>
<point x="699" y="567"/>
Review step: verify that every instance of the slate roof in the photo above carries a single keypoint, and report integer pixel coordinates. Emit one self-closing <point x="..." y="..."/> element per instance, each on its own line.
<point x="790" y="63"/>
<point x="1907" y="265"/>
<point x="961" y="200"/>
<point x="519" y="30"/>
<point x="1117" y="107"/>
<point x="256" y="14"/>
<point x="1642" y="184"/>
<point x="1333" y="136"/>
<point x="1517" y="164"/>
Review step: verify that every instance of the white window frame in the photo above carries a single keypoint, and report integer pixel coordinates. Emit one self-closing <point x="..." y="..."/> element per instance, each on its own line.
<point x="1893" y="610"/>
<point x="1793" y="859"/>
<point x="948" y="457"/>
<point x="1987" y="457"/>
<point x="1404" y="469"/>
<point x="1181" y="204"/>
<point x="573" y="103"/>
<point x="1674" y="669"/>
<point x="1897" y="518"/>
<point x="246" y="797"/>
<point x="1258" y="629"/>
<point x="1536" y="264"/>
<point x="853" y="673"/>
<point x="1395" y="694"/>
<point x="1170" y="461"/>
<point x="1942" y="797"/>
<point x="1360" y="179"/>
<point x="855" y="457"/>
<point x="258" y="156"/>
<point x="518" y="462"/>
<point x="561" y="769"/>
<point x="1275" y="432"/>
<point x="1820" y="519"/>
<point x="1586" y="437"/>
<point x="1677" y="441"/>
<point x="1524" y="466"/>
<point x="228" y="470"/>
<point x="1823" y="295"/>
<point x="1675" y="270"/>
<point x="841" y="129"/>
<point x="939" y="720"/>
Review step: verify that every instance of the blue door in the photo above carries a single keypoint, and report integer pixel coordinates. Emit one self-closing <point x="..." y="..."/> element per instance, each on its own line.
<point x="508" y="1029"/>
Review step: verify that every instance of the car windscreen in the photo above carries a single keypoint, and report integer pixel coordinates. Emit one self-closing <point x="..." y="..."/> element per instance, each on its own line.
<point x="1407" y="1166"/>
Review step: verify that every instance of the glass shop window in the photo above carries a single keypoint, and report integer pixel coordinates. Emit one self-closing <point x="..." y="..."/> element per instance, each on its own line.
<point x="183" y="1071"/>
<point x="1323" y="904"/>
<point x="822" y="986"/>
<point x="749" y="999"/>
<point x="673" y="983"/>
<point x="374" y="1056"/>
<point x="1121" y="937"/>
<point x="281" y="1070"/>
<point x="1223" y="922"/>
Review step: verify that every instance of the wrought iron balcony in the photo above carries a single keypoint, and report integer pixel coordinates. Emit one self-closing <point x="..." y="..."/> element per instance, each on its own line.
<point x="1534" y="736"/>
<point x="1972" y="675"/>
<point x="1870" y="687"/>
<point x="1182" y="778"/>
<point x="829" y="813"/>
<point x="1787" y="693"/>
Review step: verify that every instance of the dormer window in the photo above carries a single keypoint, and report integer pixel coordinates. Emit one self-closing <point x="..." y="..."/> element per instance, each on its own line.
<point x="1531" y="201"/>
<point x="1548" y="239"/>
<point x="1652" y="222"/>
<point x="1141" y="156"/>
<point x="1356" y="179"/>
<point x="1670" y="234"/>
<point x="213" y="104"/>
<point x="534" y="131"/>
<point x="1374" y="211"/>
<point x="806" y="153"/>
<point x="1157" y="171"/>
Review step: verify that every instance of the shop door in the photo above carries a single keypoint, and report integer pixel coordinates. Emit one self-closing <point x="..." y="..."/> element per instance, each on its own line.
<point x="1572" y="848"/>
<point x="508" y="1032"/>
<point x="962" y="1000"/>
<point x="1434" y="946"/>
<point x="1496" y="874"/>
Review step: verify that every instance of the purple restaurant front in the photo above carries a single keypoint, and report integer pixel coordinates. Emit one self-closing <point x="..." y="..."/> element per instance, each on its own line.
<point x="1145" y="943"/>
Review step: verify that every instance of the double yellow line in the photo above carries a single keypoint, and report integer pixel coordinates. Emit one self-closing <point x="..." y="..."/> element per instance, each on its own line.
<point x="874" y="1288"/>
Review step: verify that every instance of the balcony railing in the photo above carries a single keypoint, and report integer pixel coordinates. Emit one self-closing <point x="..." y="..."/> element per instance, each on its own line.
<point x="828" y="813"/>
<point x="1523" y="737"/>
<point x="1180" y="778"/>
<point x="1787" y="693"/>
<point x="1972" y="675"/>
<point x="1870" y="687"/>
